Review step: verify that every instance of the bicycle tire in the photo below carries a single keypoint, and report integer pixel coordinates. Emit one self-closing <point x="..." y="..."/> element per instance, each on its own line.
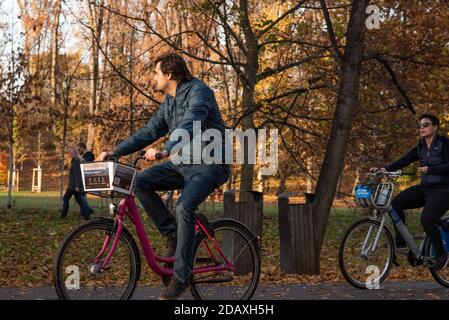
<point x="252" y="242"/>
<point x="106" y="225"/>
<point x="341" y="263"/>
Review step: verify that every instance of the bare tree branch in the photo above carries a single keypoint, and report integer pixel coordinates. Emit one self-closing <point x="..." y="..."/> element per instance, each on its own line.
<point x="330" y="30"/>
<point x="271" y="71"/>
<point x="282" y="16"/>
<point x="396" y="82"/>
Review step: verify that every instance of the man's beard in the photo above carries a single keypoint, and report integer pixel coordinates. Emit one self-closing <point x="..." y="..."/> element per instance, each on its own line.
<point x="163" y="89"/>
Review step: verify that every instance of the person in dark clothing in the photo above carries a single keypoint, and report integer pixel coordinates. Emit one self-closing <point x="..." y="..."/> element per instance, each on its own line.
<point x="75" y="186"/>
<point x="84" y="155"/>
<point x="432" y="152"/>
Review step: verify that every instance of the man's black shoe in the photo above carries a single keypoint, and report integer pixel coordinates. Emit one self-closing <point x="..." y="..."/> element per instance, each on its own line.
<point x="174" y="290"/>
<point x="440" y="262"/>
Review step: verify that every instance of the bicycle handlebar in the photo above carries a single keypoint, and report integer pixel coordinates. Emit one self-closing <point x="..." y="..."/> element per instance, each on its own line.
<point x="141" y="156"/>
<point x="390" y="174"/>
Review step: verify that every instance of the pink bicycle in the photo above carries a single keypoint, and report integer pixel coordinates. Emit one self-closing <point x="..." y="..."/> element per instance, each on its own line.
<point x="100" y="259"/>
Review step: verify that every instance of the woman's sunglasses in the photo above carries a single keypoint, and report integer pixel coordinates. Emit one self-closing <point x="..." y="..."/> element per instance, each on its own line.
<point x="424" y="124"/>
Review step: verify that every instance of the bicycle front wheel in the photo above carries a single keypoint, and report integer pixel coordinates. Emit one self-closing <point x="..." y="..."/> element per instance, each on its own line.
<point x="76" y="276"/>
<point x="240" y="247"/>
<point x="363" y="262"/>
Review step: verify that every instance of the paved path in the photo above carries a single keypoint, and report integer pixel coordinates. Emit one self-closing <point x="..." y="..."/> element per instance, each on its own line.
<point x="388" y="290"/>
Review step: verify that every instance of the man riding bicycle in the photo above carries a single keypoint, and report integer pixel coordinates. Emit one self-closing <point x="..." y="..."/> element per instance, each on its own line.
<point x="432" y="152"/>
<point x="187" y="100"/>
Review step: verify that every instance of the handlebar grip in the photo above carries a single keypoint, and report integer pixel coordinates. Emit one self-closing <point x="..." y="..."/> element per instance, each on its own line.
<point x="112" y="157"/>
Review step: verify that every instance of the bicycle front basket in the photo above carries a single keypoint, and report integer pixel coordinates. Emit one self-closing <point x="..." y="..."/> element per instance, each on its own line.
<point x="108" y="178"/>
<point x="383" y="195"/>
<point x="364" y="196"/>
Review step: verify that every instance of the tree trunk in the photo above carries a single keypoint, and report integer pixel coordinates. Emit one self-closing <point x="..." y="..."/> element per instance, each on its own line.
<point x="11" y="149"/>
<point x="63" y="142"/>
<point x="347" y="102"/>
<point x="96" y="24"/>
<point x="131" y="91"/>
<point x="54" y="60"/>
<point x="309" y="180"/>
<point x="247" y="175"/>
<point x="282" y="184"/>
<point x="104" y="69"/>
<point x="251" y="68"/>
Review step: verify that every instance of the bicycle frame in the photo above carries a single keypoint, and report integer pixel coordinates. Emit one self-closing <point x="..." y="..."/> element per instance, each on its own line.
<point x="400" y="227"/>
<point x="127" y="207"/>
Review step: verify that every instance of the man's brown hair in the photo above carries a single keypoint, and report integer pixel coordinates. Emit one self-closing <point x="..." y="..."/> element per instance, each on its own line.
<point x="174" y="64"/>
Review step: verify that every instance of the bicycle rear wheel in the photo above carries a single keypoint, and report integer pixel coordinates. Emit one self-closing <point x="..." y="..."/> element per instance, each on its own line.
<point x="75" y="275"/>
<point x="240" y="246"/>
<point x="441" y="276"/>
<point x="359" y="264"/>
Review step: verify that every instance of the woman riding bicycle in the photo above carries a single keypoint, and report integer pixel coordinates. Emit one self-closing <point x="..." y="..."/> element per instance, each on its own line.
<point x="432" y="152"/>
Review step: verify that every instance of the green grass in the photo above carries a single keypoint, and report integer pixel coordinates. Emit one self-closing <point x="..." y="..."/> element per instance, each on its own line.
<point x="30" y="235"/>
<point x="43" y="200"/>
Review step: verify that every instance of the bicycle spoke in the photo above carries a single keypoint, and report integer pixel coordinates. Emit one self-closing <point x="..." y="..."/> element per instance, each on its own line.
<point x="80" y="252"/>
<point x="357" y="258"/>
<point x="227" y="284"/>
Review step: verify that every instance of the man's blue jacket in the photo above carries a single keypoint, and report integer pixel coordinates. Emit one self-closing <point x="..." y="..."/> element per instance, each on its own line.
<point x="194" y="101"/>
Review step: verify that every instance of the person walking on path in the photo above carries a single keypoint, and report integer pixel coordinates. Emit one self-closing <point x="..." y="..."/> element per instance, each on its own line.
<point x="75" y="186"/>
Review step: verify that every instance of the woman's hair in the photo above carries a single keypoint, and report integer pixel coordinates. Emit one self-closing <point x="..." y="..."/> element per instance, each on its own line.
<point x="434" y="119"/>
<point x="174" y="64"/>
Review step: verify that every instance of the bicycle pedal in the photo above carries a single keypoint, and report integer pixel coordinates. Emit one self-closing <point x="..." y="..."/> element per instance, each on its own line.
<point x="428" y="262"/>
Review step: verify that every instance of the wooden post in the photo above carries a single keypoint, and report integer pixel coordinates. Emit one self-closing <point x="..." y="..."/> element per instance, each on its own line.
<point x="298" y="236"/>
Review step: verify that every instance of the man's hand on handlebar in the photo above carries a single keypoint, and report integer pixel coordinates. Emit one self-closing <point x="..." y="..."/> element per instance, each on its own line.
<point x="374" y="170"/>
<point x="153" y="154"/>
<point x="106" y="155"/>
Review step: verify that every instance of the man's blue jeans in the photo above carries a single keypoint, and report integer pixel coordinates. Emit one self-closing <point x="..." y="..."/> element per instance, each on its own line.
<point x="85" y="209"/>
<point x="198" y="181"/>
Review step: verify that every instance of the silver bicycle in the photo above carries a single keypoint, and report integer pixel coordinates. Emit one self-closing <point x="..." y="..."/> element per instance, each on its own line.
<point x="368" y="244"/>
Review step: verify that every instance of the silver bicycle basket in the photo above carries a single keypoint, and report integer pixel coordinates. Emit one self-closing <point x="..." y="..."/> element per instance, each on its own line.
<point x="108" y="179"/>
<point x="378" y="197"/>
